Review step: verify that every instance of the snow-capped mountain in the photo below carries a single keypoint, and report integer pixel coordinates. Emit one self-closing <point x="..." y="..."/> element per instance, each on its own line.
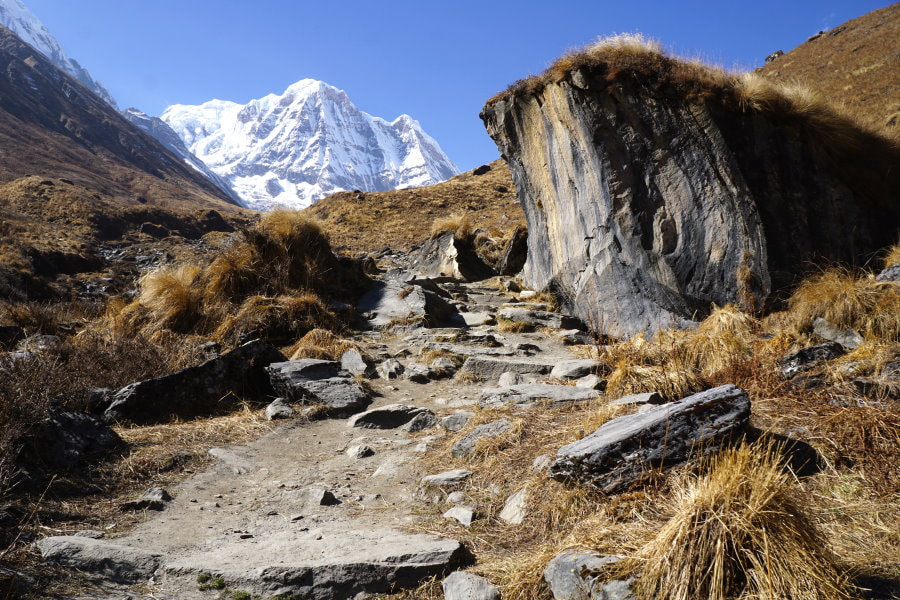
<point x="311" y="141"/>
<point x="15" y="16"/>
<point x="166" y="136"/>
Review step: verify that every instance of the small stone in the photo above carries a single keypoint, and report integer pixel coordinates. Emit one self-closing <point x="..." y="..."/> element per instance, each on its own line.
<point x="457" y="421"/>
<point x="390" y="369"/>
<point x="456" y="497"/>
<point x="447" y="478"/>
<point x="152" y="499"/>
<point x="542" y="462"/>
<point x="464" y="514"/>
<point x="848" y="338"/>
<point x="647" y="398"/>
<point x="468" y="586"/>
<point x="417" y="373"/>
<point x="514" y="509"/>
<point x="591" y="382"/>
<point x="360" y="451"/>
<point x="575" y="368"/>
<point x="526" y="294"/>
<point x="354" y="363"/>
<point x="279" y="409"/>
<point x="422" y="421"/>
<point x="509" y="378"/>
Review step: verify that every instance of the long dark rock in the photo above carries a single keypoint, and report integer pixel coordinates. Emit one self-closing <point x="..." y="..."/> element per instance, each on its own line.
<point x="621" y="451"/>
<point x="318" y="382"/>
<point x="218" y="384"/>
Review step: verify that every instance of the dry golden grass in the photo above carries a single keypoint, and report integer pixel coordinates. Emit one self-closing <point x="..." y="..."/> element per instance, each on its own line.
<point x="321" y="344"/>
<point x="741" y="530"/>
<point x="460" y="225"/>
<point x="279" y="320"/>
<point x="892" y="257"/>
<point x="510" y="326"/>
<point x="723" y="339"/>
<point x="673" y="380"/>
<point x="848" y="300"/>
<point x="171" y="297"/>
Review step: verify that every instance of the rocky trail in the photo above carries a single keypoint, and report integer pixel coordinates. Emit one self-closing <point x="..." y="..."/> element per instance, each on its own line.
<point x="325" y="508"/>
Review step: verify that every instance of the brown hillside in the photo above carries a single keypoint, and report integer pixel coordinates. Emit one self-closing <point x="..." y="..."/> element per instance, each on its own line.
<point x="856" y="65"/>
<point x="371" y="222"/>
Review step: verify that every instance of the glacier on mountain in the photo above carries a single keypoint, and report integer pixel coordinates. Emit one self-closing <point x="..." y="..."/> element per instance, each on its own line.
<point x="16" y="17"/>
<point x="309" y="142"/>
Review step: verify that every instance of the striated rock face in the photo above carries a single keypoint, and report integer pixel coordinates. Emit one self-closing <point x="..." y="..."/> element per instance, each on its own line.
<point x="644" y="207"/>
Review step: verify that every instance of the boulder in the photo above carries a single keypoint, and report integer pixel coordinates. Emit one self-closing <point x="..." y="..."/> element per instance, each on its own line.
<point x="218" y="384"/>
<point x="389" y="416"/>
<point x="422" y="421"/>
<point x="320" y="382"/>
<point x="355" y="363"/>
<point x="468" y="586"/>
<point x="647" y="204"/>
<point x="646" y="398"/>
<point x="528" y="393"/>
<point x="448" y="256"/>
<point x="390" y="369"/>
<point x="405" y="300"/>
<point x="117" y="563"/>
<point x="359" y="451"/>
<point x="809" y="357"/>
<point x="63" y="441"/>
<point x="848" y="338"/>
<point x="279" y="409"/>
<point x="485" y="431"/>
<point x="575" y="368"/>
<point x="623" y="450"/>
<point x="442" y="367"/>
<point x="457" y="421"/>
<point x="539" y="318"/>
<point x="514" y="254"/>
<point x="575" y="575"/>
<point x="417" y="373"/>
<point x="492" y="367"/>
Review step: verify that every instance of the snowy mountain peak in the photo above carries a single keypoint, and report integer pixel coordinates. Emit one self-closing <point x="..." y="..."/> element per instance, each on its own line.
<point x="15" y="16"/>
<point x="311" y="141"/>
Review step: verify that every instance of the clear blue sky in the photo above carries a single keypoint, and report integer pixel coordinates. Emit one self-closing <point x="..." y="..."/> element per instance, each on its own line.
<point x="437" y="61"/>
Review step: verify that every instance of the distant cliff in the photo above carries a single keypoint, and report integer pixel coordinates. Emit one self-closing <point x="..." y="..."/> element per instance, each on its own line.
<point x="655" y="187"/>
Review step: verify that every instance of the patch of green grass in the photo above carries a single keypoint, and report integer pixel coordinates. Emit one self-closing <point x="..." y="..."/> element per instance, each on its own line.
<point x="217" y="583"/>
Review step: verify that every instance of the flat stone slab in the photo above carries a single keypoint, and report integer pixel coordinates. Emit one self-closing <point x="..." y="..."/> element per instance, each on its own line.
<point x="527" y="393"/>
<point x="101" y="558"/>
<point x="389" y="416"/>
<point x="539" y="318"/>
<point x="476" y="319"/>
<point x="324" y="562"/>
<point x="466" y="445"/>
<point x="491" y="368"/>
<point x="447" y="478"/>
<point x="621" y="451"/>
<point x="318" y="381"/>
<point x="575" y="368"/>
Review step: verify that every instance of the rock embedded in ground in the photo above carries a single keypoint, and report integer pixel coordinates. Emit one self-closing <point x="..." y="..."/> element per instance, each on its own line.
<point x="574" y="337"/>
<point x="623" y="450"/>
<point x="279" y="409"/>
<point x="422" y="421"/>
<point x="645" y="398"/>
<point x="508" y="379"/>
<point x="576" y="575"/>
<point x="447" y="478"/>
<point x="736" y="207"/>
<point x="468" y="586"/>
<point x="463" y="514"/>
<point x="445" y="255"/>
<point x="390" y="369"/>
<point x="355" y="363"/>
<point x="466" y="445"/>
<point x="406" y="300"/>
<point x="359" y="451"/>
<point x="539" y="318"/>
<point x="491" y="368"/>
<point x="848" y="338"/>
<point x="114" y="562"/>
<point x="442" y="367"/>
<point x="529" y="393"/>
<point x="575" y="368"/>
<point x="457" y="421"/>
<point x="807" y="358"/>
<point x="218" y="384"/>
<point x="591" y="382"/>
<point x="153" y="499"/>
<point x="389" y="416"/>
<point x="310" y="380"/>
<point x="515" y="509"/>
<point x="417" y="373"/>
<point x="891" y="273"/>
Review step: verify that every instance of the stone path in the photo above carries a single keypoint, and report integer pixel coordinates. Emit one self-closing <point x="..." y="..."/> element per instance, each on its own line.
<point x="295" y="513"/>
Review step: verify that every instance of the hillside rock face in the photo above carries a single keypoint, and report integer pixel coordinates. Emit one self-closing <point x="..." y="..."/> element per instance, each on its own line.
<point x="644" y="208"/>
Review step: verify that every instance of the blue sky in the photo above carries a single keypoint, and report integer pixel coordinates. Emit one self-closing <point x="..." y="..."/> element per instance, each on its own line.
<point x="437" y="61"/>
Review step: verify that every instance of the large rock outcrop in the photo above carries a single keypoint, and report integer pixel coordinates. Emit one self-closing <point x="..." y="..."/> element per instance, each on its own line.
<point x="649" y="195"/>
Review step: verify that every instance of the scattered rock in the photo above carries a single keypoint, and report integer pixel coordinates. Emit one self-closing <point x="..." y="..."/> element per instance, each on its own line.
<point x="38" y="343"/>
<point x="456" y="497"/>
<point x="515" y="508"/>
<point x="442" y="367"/>
<point x="508" y="379"/>
<point x="621" y="451"/>
<point x="575" y="575"/>
<point x="490" y="368"/>
<point x="542" y="462"/>
<point x="805" y="359"/>
<point x="390" y="369"/>
<point x="359" y="451"/>
<point x="152" y="499"/>
<point x="389" y="416"/>
<point x="647" y="398"/>
<point x="355" y="363"/>
<point x="575" y="368"/>
<point x="464" y="514"/>
<point x="848" y="338"/>
<point x="526" y="294"/>
<point x="218" y="384"/>
<point x="422" y="421"/>
<point x="591" y="382"/>
<point x="528" y="393"/>
<point x="279" y="409"/>
<point x="466" y="445"/>
<point x="121" y="564"/>
<point x="477" y="319"/>
<point x="457" y="421"/>
<point x="891" y="273"/>
<point x="447" y="478"/>
<point x="468" y="586"/>
<point x="318" y="381"/>
<point x="539" y="318"/>
<point x="774" y="56"/>
<point x="417" y="373"/>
